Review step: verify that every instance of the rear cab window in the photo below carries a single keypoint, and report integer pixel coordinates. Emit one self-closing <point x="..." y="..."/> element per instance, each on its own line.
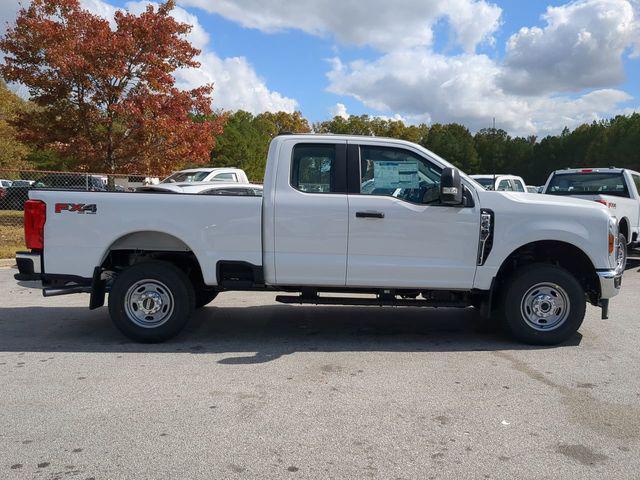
<point x="226" y="176"/>
<point x="588" y="183"/>
<point x="505" y="186"/>
<point x="518" y="186"/>
<point x="186" y="177"/>
<point x="487" y="183"/>
<point x="319" y="168"/>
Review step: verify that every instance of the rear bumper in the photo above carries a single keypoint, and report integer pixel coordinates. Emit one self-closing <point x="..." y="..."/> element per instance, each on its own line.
<point x="610" y="283"/>
<point x="29" y="266"/>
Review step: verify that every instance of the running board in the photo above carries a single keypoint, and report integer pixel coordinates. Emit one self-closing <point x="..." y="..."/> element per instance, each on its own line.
<point x="395" y="302"/>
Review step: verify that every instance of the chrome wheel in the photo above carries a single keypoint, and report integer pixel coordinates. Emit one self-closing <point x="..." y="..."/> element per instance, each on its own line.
<point x="149" y="303"/>
<point x="545" y="306"/>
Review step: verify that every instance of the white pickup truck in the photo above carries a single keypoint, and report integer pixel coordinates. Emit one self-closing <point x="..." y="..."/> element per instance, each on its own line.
<point x="377" y="221"/>
<point x="618" y="189"/>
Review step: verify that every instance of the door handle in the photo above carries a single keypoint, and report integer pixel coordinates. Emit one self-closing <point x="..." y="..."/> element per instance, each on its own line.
<point x="369" y="215"/>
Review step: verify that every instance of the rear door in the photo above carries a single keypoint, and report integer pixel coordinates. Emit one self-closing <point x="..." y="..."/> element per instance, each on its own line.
<point x="311" y="214"/>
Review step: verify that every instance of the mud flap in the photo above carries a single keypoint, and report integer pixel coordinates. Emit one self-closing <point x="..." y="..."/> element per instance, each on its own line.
<point x="98" y="288"/>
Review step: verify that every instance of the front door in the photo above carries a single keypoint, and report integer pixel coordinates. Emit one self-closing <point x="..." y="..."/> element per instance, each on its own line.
<point x="399" y="234"/>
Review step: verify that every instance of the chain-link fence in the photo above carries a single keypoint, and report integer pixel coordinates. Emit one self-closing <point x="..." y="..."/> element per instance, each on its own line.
<point x="16" y="184"/>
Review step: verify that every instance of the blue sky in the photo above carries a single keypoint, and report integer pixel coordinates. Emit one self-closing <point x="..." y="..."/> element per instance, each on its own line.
<point x="419" y="60"/>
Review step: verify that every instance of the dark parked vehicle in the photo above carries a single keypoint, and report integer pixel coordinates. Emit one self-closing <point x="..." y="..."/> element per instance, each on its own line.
<point x="15" y="195"/>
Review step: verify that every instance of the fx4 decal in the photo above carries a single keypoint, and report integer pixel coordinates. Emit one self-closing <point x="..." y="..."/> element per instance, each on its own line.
<point x="90" y="208"/>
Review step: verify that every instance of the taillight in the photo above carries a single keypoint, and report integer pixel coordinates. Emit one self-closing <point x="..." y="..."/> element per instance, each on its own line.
<point x="35" y="214"/>
<point x="603" y="202"/>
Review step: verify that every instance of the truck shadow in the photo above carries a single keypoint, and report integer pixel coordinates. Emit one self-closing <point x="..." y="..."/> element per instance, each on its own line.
<point x="271" y="331"/>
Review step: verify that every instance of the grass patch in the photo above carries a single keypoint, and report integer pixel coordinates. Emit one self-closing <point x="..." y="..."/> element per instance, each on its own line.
<point x="11" y="233"/>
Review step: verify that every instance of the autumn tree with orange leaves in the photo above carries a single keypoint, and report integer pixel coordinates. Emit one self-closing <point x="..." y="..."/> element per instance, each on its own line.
<point x="105" y="94"/>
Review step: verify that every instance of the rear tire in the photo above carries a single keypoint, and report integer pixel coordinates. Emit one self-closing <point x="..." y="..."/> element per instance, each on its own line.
<point x="151" y="302"/>
<point x="543" y="305"/>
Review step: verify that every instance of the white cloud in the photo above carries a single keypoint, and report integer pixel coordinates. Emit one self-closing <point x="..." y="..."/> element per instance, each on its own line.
<point x="425" y="86"/>
<point x="339" y="110"/>
<point x="581" y="46"/>
<point x="580" y="50"/>
<point x="383" y="24"/>
<point x="236" y="84"/>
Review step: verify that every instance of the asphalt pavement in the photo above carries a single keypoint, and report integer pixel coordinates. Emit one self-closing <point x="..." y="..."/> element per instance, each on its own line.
<point x="254" y="389"/>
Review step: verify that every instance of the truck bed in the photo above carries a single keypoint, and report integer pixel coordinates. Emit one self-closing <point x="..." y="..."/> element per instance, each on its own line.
<point x="213" y="227"/>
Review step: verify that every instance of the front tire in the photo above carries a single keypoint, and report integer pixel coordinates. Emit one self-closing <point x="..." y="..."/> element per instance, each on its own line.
<point x="151" y="302"/>
<point x="622" y="251"/>
<point x="544" y="305"/>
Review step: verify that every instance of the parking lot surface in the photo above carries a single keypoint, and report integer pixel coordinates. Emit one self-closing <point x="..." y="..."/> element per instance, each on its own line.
<point x="254" y="389"/>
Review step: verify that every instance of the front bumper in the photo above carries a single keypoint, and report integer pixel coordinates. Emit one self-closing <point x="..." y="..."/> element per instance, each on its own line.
<point x="29" y="266"/>
<point x="610" y="283"/>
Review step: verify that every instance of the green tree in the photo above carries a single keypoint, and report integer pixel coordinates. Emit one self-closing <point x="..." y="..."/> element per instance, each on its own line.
<point x="245" y="140"/>
<point x="13" y="152"/>
<point x="491" y="146"/>
<point x="454" y="143"/>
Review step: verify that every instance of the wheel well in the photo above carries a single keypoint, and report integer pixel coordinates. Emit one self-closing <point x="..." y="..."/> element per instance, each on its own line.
<point x="558" y="253"/>
<point x="146" y="245"/>
<point x="149" y="240"/>
<point x="118" y="260"/>
<point x="624" y="228"/>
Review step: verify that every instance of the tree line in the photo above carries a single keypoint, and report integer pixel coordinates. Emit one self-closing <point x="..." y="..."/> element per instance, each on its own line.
<point x="103" y="99"/>
<point x="614" y="142"/>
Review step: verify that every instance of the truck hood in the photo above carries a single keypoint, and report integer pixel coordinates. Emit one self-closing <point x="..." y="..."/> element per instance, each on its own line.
<point x="540" y="200"/>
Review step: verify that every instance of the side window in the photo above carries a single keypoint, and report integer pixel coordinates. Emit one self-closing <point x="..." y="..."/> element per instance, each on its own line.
<point x="226" y="176"/>
<point x="518" y="186"/>
<point x="399" y="173"/>
<point x="314" y="169"/>
<point x="504" y="186"/>
<point x="636" y="180"/>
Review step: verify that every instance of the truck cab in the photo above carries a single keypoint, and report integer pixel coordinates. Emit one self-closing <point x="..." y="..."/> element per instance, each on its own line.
<point x="501" y="183"/>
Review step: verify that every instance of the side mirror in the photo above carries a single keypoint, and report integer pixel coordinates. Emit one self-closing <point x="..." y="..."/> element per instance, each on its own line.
<point x="450" y="187"/>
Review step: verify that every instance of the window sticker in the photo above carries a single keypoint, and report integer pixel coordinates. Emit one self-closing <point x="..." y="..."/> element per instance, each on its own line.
<point x="388" y="174"/>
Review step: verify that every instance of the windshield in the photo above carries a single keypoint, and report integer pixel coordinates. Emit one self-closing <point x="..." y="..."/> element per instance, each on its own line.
<point x="591" y="183"/>
<point x="186" y="177"/>
<point x="487" y="183"/>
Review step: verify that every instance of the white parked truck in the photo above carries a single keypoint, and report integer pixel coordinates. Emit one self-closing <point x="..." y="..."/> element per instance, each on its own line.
<point x="618" y="189"/>
<point x="219" y="174"/>
<point x="340" y="215"/>
<point x="501" y="183"/>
